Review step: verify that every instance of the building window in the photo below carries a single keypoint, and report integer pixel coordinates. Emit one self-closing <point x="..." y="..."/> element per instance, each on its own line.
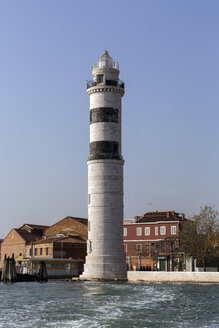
<point x="30" y="252"/>
<point x="173" y="230"/>
<point x="147" y="249"/>
<point x="163" y="230"/>
<point x="112" y="82"/>
<point x="156" y="248"/>
<point x="163" y="247"/>
<point x="47" y="251"/>
<point x="88" y="225"/>
<point x="124" y="232"/>
<point x="138" y="231"/>
<point x="100" y="78"/>
<point x="41" y="251"/>
<point x="35" y="252"/>
<point x="139" y="248"/>
<point x="88" y="199"/>
<point x="156" y="231"/>
<point x="125" y="248"/>
<point x="147" y="231"/>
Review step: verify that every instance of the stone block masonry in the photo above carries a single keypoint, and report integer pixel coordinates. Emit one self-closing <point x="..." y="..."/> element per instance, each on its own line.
<point x="105" y="253"/>
<point x="152" y="276"/>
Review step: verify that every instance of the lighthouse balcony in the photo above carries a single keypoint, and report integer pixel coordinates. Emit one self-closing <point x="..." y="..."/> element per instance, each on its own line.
<point x="113" y="83"/>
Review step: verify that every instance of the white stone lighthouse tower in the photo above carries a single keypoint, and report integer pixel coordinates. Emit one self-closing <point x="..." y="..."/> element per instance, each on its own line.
<point x="105" y="254"/>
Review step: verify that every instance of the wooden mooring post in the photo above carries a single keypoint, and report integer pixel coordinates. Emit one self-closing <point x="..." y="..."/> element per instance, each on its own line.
<point x="43" y="272"/>
<point x="9" y="273"/>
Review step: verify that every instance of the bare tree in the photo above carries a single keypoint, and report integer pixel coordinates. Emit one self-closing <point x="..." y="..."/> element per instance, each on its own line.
<point x="198" y="237"/>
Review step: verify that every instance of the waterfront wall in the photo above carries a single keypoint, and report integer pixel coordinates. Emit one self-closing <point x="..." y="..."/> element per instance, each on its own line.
<point x="162" y="276"/>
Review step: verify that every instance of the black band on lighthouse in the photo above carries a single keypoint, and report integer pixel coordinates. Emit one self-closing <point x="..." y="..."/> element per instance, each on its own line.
<point x="104" y="150"/>
<point x="104" y="114"/>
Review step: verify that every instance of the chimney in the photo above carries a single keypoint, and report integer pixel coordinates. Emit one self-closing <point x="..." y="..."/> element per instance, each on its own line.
<point x="168" y="215"/>
<point x="137" y="218"/>
<point x="183" y="216"/>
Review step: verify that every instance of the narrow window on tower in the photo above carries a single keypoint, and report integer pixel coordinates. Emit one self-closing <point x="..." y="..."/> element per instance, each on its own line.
<point x="88" y="225"/>
<point x="89" y="246"/>
<point x="124" y="232"/>
<point x="99" y="78"/>
<point x="88" y="199"/>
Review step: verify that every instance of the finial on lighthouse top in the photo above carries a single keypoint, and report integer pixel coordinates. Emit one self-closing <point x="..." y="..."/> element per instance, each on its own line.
<point x="106" y="61"/>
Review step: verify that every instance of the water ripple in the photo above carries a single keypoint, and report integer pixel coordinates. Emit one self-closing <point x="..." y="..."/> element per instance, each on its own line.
<point x="108" y="305"/>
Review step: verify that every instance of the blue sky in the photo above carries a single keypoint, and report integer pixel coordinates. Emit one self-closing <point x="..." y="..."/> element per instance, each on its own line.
<point x="168" y="53"/>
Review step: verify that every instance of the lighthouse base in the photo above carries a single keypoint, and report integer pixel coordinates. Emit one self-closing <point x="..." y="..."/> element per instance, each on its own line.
<point x="104" y="268"/>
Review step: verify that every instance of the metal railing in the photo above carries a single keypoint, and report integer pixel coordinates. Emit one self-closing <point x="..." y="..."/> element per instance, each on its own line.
<point x="92" y="83"/>
<point x="121" y="84"/>
<point x="103" y="64"/>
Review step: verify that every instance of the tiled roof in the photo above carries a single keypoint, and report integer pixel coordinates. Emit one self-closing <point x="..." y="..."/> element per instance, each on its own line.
<point x="126" y="221"/>
<point x="28" y="236"/>
<point x="82" y="220"/>
<point x="35" y="226"/>
<point x="66" y="239"/>
<point x="161" y="216"/>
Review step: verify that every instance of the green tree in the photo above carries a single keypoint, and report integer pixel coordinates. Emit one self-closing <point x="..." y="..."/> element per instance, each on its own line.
<point x="198" y="237"/>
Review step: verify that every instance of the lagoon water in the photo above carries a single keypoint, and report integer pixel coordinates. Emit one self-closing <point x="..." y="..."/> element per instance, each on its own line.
<point x="89" y="304"/>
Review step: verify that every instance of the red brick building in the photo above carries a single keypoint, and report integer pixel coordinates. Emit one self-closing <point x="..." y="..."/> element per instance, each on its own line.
<point x="65" y="239"/>
<point x="69" y="226"/>
<point x="57" y="247"/>
<point x="17" y="239"/>
<point x="153" y="240"/>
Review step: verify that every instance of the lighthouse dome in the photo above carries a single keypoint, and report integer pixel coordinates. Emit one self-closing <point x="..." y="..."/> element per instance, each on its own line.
<point x="106" y="61"/>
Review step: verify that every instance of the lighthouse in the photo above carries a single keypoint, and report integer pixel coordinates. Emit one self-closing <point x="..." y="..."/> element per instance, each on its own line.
<point x="105" y="258"/>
